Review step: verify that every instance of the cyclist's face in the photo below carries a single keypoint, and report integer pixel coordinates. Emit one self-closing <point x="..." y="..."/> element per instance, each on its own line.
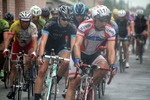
<point x="35" y="19"/>
<point x="79" y="17"/>
<point x="100" y="24"/>
<point x="63" y="23"/>
<point x="54" y="15"/>
<point x="24" y="24"/>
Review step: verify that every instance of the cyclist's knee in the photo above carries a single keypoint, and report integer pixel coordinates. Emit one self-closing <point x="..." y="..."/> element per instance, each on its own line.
<point x="42" y="72"/>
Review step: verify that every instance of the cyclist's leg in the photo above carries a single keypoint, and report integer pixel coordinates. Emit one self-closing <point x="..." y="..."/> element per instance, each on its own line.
<point x="73" y="83"/>
<point x="137" y="46"/>
<point x="126" y="48"/>
<point x="99" y="74"/>
<point x="63" y="70"/>
<point x="15" y="49"/>
<point x="40" y="79"/>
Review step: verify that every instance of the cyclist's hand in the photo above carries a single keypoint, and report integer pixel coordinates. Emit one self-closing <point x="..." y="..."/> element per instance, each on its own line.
<point x="77" y="63"/>
<point x="33" y="55"/>
<point x="114" y="69"/>
<point x="40" y="61"/>
<point x="6" y="52"/>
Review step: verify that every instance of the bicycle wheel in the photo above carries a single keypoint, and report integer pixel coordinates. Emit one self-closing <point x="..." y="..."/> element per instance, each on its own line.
<point x="53" y="92"/>
<point x="99" y="90"/>
<point x="92" y="93"/>
<point x="103" y="84"/>
<point x="120" y="60"/>
<point x="141" y="52"/>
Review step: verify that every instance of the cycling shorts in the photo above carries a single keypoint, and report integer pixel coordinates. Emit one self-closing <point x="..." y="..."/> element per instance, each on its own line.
<point x="88" y="59"/>
<point x="16" y="48"/>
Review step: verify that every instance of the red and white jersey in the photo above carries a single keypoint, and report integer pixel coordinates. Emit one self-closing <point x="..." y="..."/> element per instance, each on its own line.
<point x="93" y="39"/>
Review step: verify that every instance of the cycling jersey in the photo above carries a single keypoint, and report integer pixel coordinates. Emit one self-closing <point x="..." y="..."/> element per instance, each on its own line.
<point x="56" y="34"/>
<point x="23" y="36"/>
<point x="122" y="25"/>
<point x="114" y="25"/>
<point x="4" y="27"/>
<point x="40" y="25"/>
<point x="140" y="25"/>
<point x="93" y="38"/>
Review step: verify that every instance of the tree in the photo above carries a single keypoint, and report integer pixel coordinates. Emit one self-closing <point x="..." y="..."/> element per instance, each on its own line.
<point x="147" y="10"/>
<point x="108" y="3"/>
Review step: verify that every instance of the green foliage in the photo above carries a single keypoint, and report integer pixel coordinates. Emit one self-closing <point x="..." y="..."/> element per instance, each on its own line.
<point x="108" y="3"/>
<point x="147" y="10"/>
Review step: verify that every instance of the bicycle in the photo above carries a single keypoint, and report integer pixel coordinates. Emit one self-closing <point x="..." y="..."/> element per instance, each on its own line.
<point x="141" y="46"/>
<point x="122" y="60"/>
<point x="87" y="89"/>
<point x="19" y="77"/>
<point x="6" y="69"/>
<point x="50" y="81"/>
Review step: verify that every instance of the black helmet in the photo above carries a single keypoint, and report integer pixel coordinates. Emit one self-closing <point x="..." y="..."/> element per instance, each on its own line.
<point x="79" y="8"/>
<point x="45" y="12"/>
<point x="9" y="16"/>
<point x="54" y="11"/>
<point x="65" y="12"/>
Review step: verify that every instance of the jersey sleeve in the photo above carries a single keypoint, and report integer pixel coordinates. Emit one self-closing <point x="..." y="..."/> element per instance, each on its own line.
<point x="13" y="28"/>
<point x="6" y="26"/>
<point x="111" y="34"/>
<point x="34" y="30"/>
<point x="83" y="27"/>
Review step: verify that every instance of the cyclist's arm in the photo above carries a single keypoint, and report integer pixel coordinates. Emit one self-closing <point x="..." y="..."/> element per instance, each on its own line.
<point x="111" y="52"/>
<point x="128" y="30"/>
<point x="77" y="45"/>
<point x="43" y="43"/>
<point x="132" y="27"/>
<point x="147" y="23"/>
<point x="8" y="40"/>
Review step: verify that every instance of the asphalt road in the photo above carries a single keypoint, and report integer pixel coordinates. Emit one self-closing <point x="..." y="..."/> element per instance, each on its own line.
<point x="133" y="84"/>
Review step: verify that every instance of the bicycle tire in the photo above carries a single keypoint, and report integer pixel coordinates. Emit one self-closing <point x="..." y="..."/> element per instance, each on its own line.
<point x="53" y="92"/>
<point x="99" y="90"/>
<point x="103" y="85"/>
<point x="92" y="90"/>
<point x="141" y="53"/>
<point x="120" y="60"/>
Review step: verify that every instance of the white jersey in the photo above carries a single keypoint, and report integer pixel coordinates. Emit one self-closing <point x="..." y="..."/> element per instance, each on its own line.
<point x="93" y="39"/>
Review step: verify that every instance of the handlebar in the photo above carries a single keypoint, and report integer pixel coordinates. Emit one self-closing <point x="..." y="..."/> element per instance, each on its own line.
<point x="57" y="58"/>
<point x="95" y="66"/>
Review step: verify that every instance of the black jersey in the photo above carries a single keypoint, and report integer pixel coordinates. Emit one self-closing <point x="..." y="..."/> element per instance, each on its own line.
<point x="140" y="25"/>
<point x="57" y="34"/>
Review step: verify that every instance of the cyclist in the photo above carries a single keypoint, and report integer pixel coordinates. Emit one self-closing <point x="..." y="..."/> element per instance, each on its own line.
<point x="45" y="13"/>
<point x="115" y="15"/>
<point x="53" y="36"/>
<point x="36" y="13"/>
<point x="9" y="17"/>
<point x="25" y="33"/>
<point x="54" y="12"/>
<point x="132" y="31"/>
<point x="89" y="37"/>
<point x="141" y="27"/>
<point x="4" y="28"/>
<point x="124" y="32"/>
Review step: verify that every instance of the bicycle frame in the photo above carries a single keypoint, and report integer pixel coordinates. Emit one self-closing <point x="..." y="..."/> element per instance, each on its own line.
<point x="51" y="78"/>
<point x="87" y="77"/>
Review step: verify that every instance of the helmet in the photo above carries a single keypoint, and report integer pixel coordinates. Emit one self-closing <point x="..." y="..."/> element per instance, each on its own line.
<point x="9" y="16"/>
<point x="65" y="12"/>
<point x="101" y="12"/>
<point x="35" y="10"/>
<point x="139" y="12"/>
<point x="25" y="16"/>
<point x="121" y="13"/>
<point x="79" y="8"/>
<point x="45" y="12"/>
<point x="115" y="11"/>
<point x="54" y="11"/>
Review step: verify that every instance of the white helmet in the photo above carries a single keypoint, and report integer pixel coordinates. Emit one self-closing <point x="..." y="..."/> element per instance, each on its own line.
<point x="35" y="11"/>
<point x="139" y="12"/>
<point x="101" y="12"/>
<point x="25" y="16"/>
<point x="121" y="13"/>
